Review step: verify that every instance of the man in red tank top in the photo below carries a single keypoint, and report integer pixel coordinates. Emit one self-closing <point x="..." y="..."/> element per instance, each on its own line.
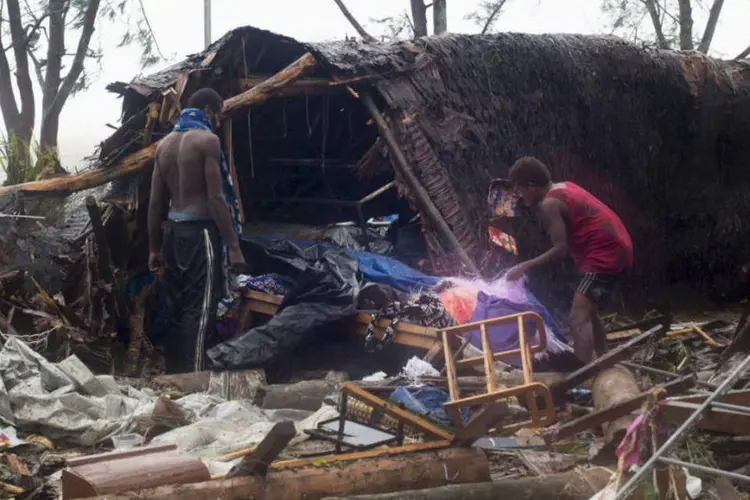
<point x="582" y="226"/>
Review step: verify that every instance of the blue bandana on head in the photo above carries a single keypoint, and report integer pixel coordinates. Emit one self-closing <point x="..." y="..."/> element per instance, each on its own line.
<point x="193" y="118"/>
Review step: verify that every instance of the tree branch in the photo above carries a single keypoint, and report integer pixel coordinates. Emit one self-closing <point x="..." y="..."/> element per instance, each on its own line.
<point x="743" y="54"/>
<point x="686" y="25"/>
<point x="37" y="68"/>
<point x="491" y="18"/>
<point x="55" y="52"/>
<point x="87" y="30"/>
<point x="353" y="21"/>
<point x="653" y="12"/>
<point x="23" y="76"/>
<point x="713" y="19"/>
<point x="8" y="104"/>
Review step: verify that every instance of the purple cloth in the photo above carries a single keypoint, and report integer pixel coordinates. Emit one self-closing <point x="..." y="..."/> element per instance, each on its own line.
<point x="502" y="337"/>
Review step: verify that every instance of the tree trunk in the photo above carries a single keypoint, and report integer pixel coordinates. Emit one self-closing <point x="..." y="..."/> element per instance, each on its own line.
<point x="653" y="12"/>
<point x="353" y="21"/>
<point x="440" y="16"/>
<point x="713" y="19"/>
<point x="419" y="17"/>
<point x="48" y="156"/>
<point x="686" y="25"/>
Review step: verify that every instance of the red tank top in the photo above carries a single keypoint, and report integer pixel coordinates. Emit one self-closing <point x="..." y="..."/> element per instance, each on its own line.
<point x="597" y="239"/>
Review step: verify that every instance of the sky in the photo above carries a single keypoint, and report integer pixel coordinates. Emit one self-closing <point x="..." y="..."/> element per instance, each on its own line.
<point x="178" y="27"/>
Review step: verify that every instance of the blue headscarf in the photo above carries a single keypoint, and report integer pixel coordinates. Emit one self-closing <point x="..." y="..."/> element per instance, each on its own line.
<point x="192" y="118"/>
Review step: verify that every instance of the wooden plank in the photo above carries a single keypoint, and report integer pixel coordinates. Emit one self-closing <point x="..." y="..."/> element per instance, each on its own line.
<point x="674" y="413"/>
<point x="396" y="412"/>
<point x="362" y="455"/>
<point x="598" y="418"/>
<point x="229" y="153"/>
<point x="480" y="424"/>
<point x="740" y="398"/>
<point x="263" y="297"/>
<point x="258" y="460"/>
<point x="153" y="116"/>
<point x="608" y="360"/>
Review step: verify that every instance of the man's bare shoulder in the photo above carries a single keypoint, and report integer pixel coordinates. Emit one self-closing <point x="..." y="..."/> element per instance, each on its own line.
<point x="205" y="140"/>
<point x="550" y="205"/>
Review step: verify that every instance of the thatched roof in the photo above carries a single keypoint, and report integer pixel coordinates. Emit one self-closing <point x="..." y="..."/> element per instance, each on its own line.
<point x="659" y="136"/>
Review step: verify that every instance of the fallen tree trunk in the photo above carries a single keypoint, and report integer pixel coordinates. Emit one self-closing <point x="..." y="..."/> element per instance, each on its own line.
<point x="576" y="485"/>
<point x="612" y="387"/>
<point x="144" y="158"/>
<point x="377" y="475"/>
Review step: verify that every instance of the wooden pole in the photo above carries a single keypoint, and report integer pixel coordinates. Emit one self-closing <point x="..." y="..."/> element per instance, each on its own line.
<point x="313" y="482"/>
<point x="229" y="153"/>
<point x="578" y="485"/>
<point x="144" y="158"/>
<point x="403" y="167"/>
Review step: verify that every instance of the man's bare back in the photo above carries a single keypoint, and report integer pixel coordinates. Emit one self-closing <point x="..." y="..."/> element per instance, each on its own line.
<point x="188" y="173"/>
<point x="181" y="164"/>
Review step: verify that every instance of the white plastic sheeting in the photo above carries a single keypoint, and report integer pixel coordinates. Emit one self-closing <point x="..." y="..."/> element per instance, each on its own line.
<point x="37" y="396"/>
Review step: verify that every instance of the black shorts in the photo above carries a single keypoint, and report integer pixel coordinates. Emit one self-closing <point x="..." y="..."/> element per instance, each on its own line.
<point x="598" y="288"/>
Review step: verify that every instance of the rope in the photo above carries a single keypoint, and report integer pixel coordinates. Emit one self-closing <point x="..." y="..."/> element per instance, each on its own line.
<point x="37" y="341"/>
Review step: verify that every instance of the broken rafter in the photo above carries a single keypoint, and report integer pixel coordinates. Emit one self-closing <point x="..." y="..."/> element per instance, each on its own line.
<point x="142" y="159"/>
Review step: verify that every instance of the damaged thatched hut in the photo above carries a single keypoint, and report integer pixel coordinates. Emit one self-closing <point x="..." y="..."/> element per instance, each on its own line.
<point x="346" y="127"/>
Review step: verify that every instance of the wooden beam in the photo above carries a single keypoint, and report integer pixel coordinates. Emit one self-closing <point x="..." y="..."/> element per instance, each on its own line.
<point x="401" y="164"/>
<point x="142" y="159"/>
<point x="229" y="153"/>
<point x="317" y="481"/>
<point x="614" y="412"/>
<point x="396" y="412"/>
<point x="153" y="117"/>
<point x="674" y="413"/>
<point x="311" y="86"/>
<point x="261" y="92"/>
<point x="608" y="360"/>
<point x="258" y="460"/>
<point x="582" y="484"/>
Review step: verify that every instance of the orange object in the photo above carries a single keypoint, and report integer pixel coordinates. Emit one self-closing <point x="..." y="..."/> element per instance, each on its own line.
<point x="460" y="302"/>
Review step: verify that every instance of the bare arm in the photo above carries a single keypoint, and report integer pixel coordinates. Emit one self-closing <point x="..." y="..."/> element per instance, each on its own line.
<point x="157" y="208"/>
<point x="216" y="203"/>
<point x="552" y="214"/>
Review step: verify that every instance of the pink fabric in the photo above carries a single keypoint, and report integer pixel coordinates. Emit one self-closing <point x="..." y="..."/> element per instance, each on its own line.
<point x="460" y="302"/>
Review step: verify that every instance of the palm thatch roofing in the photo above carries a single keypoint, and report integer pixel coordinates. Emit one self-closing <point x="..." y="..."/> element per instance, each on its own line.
<point x="661" y="137"/>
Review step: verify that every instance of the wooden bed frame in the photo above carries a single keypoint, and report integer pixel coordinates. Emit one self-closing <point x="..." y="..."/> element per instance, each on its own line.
<point x="405" y="333"/>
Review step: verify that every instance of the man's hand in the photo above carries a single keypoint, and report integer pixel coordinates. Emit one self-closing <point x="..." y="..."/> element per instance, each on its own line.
<point x="237" y="260"/>
<point x="517" y="272"/>
<point x="155" y="263"/>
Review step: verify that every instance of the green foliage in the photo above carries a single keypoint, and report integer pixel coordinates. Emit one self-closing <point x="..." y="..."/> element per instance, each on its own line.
<point x="129" y="14"/>
<point x="24" y="161"/>
<point x="486" y="14"/>
<point x="395" y="27"/>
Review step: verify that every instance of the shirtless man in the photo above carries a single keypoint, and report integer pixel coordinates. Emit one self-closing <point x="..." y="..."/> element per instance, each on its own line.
<point x="579" y="224"/>
<point x="186" y="249"/>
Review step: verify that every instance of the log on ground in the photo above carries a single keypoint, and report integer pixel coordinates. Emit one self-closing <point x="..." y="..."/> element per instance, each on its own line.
<point x="576" y="485"/>
<point x="379" y="475"/>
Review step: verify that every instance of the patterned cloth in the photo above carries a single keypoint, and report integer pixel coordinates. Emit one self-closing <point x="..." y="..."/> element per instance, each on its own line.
<point x="272" y="284"/>
<point x="425" y="309"/>
<point x="190" y="119"/>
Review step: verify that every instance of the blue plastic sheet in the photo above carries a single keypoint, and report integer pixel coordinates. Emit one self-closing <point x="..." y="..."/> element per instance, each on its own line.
<point x="427" y="401"/>
<point x="387" y="271"/>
